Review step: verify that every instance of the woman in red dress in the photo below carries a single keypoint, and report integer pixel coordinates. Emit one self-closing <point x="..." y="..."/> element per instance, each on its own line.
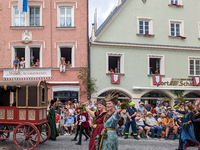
<point x="98" y="126"/>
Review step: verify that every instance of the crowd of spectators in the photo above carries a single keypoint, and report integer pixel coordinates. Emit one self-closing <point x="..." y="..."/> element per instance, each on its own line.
<point x="146" y="121"/>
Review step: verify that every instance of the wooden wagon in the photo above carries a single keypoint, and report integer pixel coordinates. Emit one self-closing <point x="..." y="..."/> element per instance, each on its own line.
<point x="27" y="117"/>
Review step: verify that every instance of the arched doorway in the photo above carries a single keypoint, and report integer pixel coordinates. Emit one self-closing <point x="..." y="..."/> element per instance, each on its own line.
<point x="121" y="95"/>
<point x="152" y="96"/>
<point x="192" y="96"/>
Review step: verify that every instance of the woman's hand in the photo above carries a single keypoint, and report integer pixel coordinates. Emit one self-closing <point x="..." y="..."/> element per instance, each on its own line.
<point x="118" y="110"/>
<point x="94" y="126"/>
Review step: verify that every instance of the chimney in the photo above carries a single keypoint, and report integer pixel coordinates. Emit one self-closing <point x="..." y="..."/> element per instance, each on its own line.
<point x="119" y="2"/>
<point x="95" y="20"/>
<point x="93" y="33"/>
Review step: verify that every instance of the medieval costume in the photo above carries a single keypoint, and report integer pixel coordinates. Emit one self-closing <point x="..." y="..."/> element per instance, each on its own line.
<point x="82" y="124"/>
<point x="109" y="138"/>
<point x="187" y="135"/>
<point x="196" y="123"/>
<point x="52" y="122"/>
<point x="99" y="124"/>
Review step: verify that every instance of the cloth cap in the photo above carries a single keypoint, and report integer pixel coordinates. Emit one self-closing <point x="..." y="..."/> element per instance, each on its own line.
<point x="176" y="102"/>
<point x="131" y="104"/>
<point x="52" y="102"/>
<point x="169" y="107"/>
<point x="158" y="99"/>
<point x="141" y="103"/>
<point x="186" y="101"/>
<point x="193" y="101"/>
<point x="175" y="107"/>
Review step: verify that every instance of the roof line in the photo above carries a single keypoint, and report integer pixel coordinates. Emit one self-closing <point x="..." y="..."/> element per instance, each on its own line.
<point x="110" y="17"/>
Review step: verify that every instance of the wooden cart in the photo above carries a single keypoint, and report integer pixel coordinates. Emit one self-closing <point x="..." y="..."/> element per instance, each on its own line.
<point x="27" y="117"/>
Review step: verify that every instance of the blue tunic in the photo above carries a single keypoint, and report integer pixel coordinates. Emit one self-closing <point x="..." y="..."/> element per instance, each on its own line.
<point x="111" y="142"/>
<point x="187" y="132"/>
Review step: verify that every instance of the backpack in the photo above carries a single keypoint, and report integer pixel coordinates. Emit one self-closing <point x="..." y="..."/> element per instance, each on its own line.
<point x="172" y="136"/>
<point x="143" y="135"/>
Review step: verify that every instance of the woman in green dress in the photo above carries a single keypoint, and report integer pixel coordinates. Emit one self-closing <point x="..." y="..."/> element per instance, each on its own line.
<point x="52" y="121"/>
<point x="109" y="138"/>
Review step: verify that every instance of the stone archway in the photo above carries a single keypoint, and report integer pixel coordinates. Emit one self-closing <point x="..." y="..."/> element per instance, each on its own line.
<point x="122" y="90"/>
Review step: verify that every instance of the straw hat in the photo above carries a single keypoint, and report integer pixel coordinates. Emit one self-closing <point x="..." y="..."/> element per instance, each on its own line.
<point x="149" y="113"/>
<point x="162" y="115"/>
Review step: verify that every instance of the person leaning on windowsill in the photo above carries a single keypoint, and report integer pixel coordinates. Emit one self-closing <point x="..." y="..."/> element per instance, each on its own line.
<point x="22" y="63"/>
<point x="16" y="63"/>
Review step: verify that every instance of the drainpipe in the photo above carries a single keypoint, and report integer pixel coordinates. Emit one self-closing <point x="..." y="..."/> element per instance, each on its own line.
<point x="88" y="43"/>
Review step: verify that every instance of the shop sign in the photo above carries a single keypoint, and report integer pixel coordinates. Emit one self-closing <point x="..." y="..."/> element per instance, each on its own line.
<point x="196" y="81"/>
<point x="26" y="74"/>
<point x="180" y="82"/>
<point x="115" y="78"/>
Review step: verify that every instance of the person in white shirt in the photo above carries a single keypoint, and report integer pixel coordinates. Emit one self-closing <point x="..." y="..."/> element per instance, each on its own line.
<point x="72" y="110"/>
<point x="141" y="126"/>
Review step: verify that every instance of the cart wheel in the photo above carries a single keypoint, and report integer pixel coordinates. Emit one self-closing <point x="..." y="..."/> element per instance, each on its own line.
<point x="4" y="135"/>
<point x="45" y="132"/>
<point x="26" y="136"/>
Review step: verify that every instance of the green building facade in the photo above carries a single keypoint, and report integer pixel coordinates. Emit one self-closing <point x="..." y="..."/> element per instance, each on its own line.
<point x="141" y="38"/>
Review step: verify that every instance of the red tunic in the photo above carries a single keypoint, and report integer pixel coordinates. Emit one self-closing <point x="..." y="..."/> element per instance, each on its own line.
<point x="97" y="130"/>
<point x="83" y="117"/>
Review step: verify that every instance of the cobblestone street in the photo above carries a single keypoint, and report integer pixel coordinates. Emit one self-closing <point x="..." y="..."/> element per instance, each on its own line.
<point x="65" y="143"/>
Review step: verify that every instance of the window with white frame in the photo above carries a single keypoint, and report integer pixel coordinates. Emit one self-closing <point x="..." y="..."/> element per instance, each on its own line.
<point x="34" y="16"/>
<point x="18" y="17"/>
<point x="194" y="66"/>
<point x="156" y="64"/>
<point x="115" y="62"/>
<point x="145" y="25"/>
<point x="176" y="28"/>
<point x="31" y="18"/>
<point x="67" y="53"/>
<point x="30" y="55"/>
<point x="65" y="16"/>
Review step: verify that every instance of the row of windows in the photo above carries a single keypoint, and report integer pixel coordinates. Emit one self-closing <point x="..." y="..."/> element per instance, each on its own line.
<point x="115" y="64"/>
<point x="176" y="27"/>
<point x="32" y="56"/>
<point x="34" y="16"/>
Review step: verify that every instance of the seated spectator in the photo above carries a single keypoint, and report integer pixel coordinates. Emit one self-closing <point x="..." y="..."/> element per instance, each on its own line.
<point x="22" y="63"/>
<point x="68" y="63"/>
<point x="120" y="125"/>
<point x="62" y="64"/>
<point x="57" y="119"/>
<point x="175" y="103"/>
<point x="111" y="71"/>
<point x="169" y="110"/>
<point x="32" y="64"/>
<point x="153" y="124"/>
<point x="166" y="105"/>
<point x="90" y="106"/>
<point x="141" y="126"/>
<point x="115" y="71"/>
<point x="63" y="110"/>
<point x="16" y="63"/>
<point x="75" y="103"/>
<point x="159" y="109"/>
<point x="141" y="110"/>
<point x="168" y="123"/>
<point x="72" y="110"/>
<point x="182" y="108"/>
<point x="69" y="124"/>
<point x="175" y="114"/>
<point x="153" y="110"/>
<point x="37" y="63"/>
<point x="160" y="120"/>
<point x="146" y="106"/>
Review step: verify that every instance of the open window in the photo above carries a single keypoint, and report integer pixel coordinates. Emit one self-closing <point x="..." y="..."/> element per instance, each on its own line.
<point x="66" y="53"/>
<point x="156" y="64"/>
<point x="35" y="57"/>
<point x="114" y="63"/>
<point x="20" y="53"/>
